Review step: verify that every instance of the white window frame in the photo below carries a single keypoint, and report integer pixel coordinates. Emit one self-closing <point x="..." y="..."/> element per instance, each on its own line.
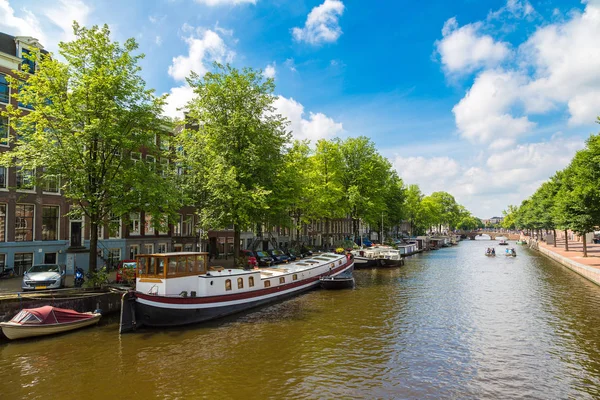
<point x="17" y="169"/>
<point x="111" y="218"/>
<point x="133" y="253"/>
<point x="7" y="142"/>
<point x="45" y="187"/>
<point x="162" y="246"/>
<point x="32" y="221"/>
<point x="9" y="91"/>
<point x="58" y="224"/>
<point x="135" y="222"/>
<point x="137" y="157"/>
<point x="5" y="220"/>
<point x="5" y="187"/>
<point x="149" y="248"/>
<point x="115" y="250"/>
<point x="148" y="228"/>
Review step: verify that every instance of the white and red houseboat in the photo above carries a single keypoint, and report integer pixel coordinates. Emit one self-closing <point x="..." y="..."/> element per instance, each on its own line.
<point x="175" y="289"/>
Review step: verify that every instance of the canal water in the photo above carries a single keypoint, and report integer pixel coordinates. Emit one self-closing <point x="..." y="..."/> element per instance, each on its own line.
<point x="449" y="324"/>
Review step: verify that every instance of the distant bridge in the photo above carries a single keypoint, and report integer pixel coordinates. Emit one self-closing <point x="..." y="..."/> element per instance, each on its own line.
<point x="493" y="235"/>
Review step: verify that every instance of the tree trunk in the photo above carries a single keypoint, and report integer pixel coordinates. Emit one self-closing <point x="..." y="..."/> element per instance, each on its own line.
<point x="566" y="241"/>
<point x="236" y="245"/>
<point x="584" y="246"/>
<point x="554" y="231"/>
<point x="93" y="260"/>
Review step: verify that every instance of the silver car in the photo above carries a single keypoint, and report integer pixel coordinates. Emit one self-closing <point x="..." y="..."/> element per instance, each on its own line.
<point x="43" y="276"/>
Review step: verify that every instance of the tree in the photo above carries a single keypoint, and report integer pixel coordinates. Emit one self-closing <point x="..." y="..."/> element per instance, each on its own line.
<point x="412" y="205"/>
<point x="87" y="115"/>
<point x="237" y="149"/>
<point x="508" y="222"/>
<point x="449" y="211"/>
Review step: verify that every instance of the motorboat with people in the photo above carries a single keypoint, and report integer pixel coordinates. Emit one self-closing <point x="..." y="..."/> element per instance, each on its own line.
<point x="490" y="252"/>
<point x="503" y="242"/>
<point x="174" y="289"/>
<point x="345" y="280"/>
<point x="521" y="242"/>
<point x="46" y="320"/>
<point x="510" y="252"/>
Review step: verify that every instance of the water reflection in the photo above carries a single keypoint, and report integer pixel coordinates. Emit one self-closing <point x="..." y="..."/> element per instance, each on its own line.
<point x="450" y="324"/>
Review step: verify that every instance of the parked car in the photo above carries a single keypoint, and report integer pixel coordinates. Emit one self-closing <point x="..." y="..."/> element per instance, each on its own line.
<point x="279" y="256"/>
<point x="126" y="271"/>
<point x="264" y="259"/>
<point x="292" y="256"/>
<point x="43" y="276"/>
<point x="250" y="258"/>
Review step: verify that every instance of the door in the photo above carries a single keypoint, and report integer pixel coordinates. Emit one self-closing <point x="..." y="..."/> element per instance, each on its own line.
<point x="76" y="234"/>
<point x="50" y="258"/>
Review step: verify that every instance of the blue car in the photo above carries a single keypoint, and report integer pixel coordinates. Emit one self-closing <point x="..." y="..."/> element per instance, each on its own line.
<point x="279" y="256"/>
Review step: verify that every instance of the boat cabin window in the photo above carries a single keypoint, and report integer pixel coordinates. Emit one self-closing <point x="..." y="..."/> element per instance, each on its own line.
<point x="251" y="281"/>
<point x="282" y="279"/>
<point x="295" y="277"/>
<point x="340" y="262"/>
<point x="267" y="283"/>
<point x="240" y="283"/>
<point x="171" y="265"/>
<point x="228" y="284"/>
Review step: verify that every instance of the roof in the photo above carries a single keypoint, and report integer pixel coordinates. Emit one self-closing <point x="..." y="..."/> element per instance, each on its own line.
<point x="7" y="44"/>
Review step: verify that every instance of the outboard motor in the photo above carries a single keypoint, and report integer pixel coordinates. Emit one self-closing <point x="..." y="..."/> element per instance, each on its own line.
<point x="78" y="277"/>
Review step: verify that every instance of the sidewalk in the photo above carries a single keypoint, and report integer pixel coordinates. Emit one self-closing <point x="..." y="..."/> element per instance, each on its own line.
<point x="588" y="267"/>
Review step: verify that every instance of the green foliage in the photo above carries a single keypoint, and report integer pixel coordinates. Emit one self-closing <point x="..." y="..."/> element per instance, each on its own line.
<point x="97" y="278"/>
<point x="89" y="113"/>
<point x="232" y="160"/>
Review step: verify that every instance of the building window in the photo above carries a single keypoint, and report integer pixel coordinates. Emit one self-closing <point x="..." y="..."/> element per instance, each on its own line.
<point x="24" y="222"/>
<point x="3" y="130"/>
<point x="188" y="247"/>
<point x="135" y="156"/>
<point x="267" y="283"/>
<point x="162" y="248"/>
<point x="228" y="284"/>
<point x="2" y="222"/>
<point x="3" y="178"/>
<point x="134" y="250"/>
<point x="51" y="184"/>
<point x="4" y="89"/>
<point x="148" y="228"/>
<point x="50" y="222"/>
<point x="240" y="283"/>
<point x="164" y="166"/>
<point x="25" y="61"/>
<point x="25" y="179"/>
<point x="23" y="105"/>
<point x="282" y="280"/>
<point x="114" y="227"/>
<point x="2" y="261"/>
<point x="23" y="261"/>
<point x="188" y="225"/>
<point x="134" y="223"/>
<point x="151" y="162"/>
<point x="149" y="248"/>
<point x="177" y="227"/>
<point x="114" y="256"/>
<point x="164" y="143"/>
<point x="251" y="281"/>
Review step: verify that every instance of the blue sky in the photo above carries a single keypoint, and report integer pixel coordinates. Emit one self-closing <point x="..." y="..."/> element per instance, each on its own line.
<point x="483" y="99"/>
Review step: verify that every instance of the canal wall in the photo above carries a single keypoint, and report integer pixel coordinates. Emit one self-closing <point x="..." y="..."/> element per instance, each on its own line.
<point x="108" y="302"/>
<point x="591" y="273"/>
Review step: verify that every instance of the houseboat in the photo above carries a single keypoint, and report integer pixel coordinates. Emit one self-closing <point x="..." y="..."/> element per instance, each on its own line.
<point x="175" y="289"/>
<point x="408" y="249"/>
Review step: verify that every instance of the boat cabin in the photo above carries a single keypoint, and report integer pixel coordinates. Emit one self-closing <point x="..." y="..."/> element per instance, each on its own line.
<point x="408" y="249"/>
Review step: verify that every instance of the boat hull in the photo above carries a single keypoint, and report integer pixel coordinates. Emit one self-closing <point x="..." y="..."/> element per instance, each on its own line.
<point x="364" y="262"/>
<point x="337" y="283"/>
<point x="17" y="331"/>
<point x="140" y="309"/>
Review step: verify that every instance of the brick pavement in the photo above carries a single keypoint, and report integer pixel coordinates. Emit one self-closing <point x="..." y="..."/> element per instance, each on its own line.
<point x="575" y="252"/>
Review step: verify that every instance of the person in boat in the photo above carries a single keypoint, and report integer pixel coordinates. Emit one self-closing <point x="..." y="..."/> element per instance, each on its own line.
<point x="493" y="252"/>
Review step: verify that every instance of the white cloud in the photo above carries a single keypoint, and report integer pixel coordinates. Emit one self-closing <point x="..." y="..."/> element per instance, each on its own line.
<point x="270" y="71"/>
<point x="290" y="64"/>
<point x="27" y="25"/>
<point x="465" y="49"/>
<point x="316" y="126"/>
<point x="158" y="40"/>
<point x="486" y="187"/>
<point x="483" y="115"/>
<point x="322" y="24"/>
<point x="177" y="100"/>
<point x="555" y="69"/>
<point x="224" y="2"/>
<point x="64" y="13"/>
<point x="204" y="46"/>
<point x="514" y="8"/>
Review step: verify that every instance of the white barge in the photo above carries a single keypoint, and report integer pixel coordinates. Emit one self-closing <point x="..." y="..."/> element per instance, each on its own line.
<point x="175" y="289"/>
